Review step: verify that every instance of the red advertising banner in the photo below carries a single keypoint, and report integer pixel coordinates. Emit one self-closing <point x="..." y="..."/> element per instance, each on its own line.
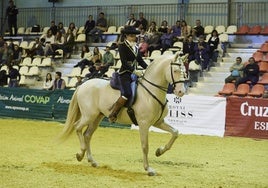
<point x="247" y="117"/>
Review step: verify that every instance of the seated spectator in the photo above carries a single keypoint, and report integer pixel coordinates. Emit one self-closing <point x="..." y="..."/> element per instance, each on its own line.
<point x="198" y="30"/>
<point x="53" y="27"/>
<point x="143" y="47"/>
<point x="58" y="83"/>
<point x="236" y="71"/>
<point x="37" y="49"/>
<point x="143" y="35"/>
<point x="86" y="57"/>
<point x="164" y="27"/>
<point x="131" y="21"/>
<point x="142" y="22"/>
<point x="96" y="54"/>
<point x="188" y="49"/>
<point x="3" y="78"/>
<point x="69" y="43"/>
<point x="250" y="73"/>
<point x="100" y="27"/>
<point x="96" y="71"/>
<point x="176" y="29"/>
<point x="108" y="58"/>
<point x="202" y="53"/>
<point x="61" y="28"/>
<point x="48" y="82"/>
<point x="154" y="42"/>
<point x="72" y="28"/>
<point x="16" y="55"/>
<point x="166" y="40"/>
<point x="49" y="39"/>
<point x="89" y="25"/>
<point x="213" y="43"/>
<point x="14" y="77"/>
<point x="79" y="81"/>
<point x="5" y="55"/>
<point x="185" y="31"/>
<point x="58" y="44"/>
<point x="152" y="28"/>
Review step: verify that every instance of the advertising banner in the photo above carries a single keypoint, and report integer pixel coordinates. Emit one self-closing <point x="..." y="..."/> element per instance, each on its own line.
<point x="33" y="103"/>
<point x="247" y="117"/>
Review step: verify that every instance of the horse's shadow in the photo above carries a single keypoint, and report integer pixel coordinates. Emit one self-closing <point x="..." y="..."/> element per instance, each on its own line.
<point x="84" y="169"/>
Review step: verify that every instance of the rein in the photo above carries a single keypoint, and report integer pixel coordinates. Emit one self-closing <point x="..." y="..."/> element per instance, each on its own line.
<point x="165" y="89"/>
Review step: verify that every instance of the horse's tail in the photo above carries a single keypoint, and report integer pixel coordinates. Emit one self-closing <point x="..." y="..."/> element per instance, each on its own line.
<point x="72" y="117"/>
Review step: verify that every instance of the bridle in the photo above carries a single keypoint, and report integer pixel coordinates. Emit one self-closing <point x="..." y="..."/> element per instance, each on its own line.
<point x="165" y="89"/>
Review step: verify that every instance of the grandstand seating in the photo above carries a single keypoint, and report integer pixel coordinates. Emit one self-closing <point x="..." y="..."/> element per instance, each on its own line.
<point x="21" y="31"/>
<point x="33" y="71"/>
<point x="110" y="30"/>
<point x="118" y="31"/>
<point x="81" y="38"/>
<point x="27" y="61"/>
<point x="258" y="56"/>
<point x="264" y="48"/>
<point x="244" y="29"/>
<point x="227" y="89"/>
<point x="76" y="71"/>
<point x="177" y="46"/>
<point x="46" y="62"/>
<point x="255" y="30"/>
<point x="241" y="91"/>
<point x="265" y="30"/>
<point x="24" y="70"/>
<point x="80" y="30"/>
<point x="110" y="72"/>
<point x="208" y="29"/>
<point x="71" y="83"/>
<point x="256" y="91"/>
<point x="263" y="79"/>
<point x="263" y="66"/>
<point x="84" y="72"/>
<point x="231" y="29"/>
<point x="220" y="29"/>
<point x="154" y="54"/>
<point x="24" y="44"/>
<point x="36" y="61"/>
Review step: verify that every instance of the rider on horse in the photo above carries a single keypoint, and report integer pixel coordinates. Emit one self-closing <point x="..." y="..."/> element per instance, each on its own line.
<point x="130" y="58"/>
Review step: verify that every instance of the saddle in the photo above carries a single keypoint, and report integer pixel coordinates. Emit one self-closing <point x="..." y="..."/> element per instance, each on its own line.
<point x="115" y="84"/>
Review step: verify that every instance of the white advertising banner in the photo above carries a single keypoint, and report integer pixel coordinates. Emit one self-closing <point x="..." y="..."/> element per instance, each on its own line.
<point x="199" y="115"/>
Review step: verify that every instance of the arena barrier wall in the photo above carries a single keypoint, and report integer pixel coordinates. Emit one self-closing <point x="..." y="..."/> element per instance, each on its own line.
<point x="200" y="115"/>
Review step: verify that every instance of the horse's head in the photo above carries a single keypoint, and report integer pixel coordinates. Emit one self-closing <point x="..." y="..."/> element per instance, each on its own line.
<point x="176" y="75"/>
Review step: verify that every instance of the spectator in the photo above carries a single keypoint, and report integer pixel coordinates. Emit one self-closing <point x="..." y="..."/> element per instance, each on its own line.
<point x="164" y="27"/>
<point x="152" y="29"/>
<point x="250" y="73"/>
<point x="166" y="40"/>
<point x="143" y="35"/>
<point x="37" y="49"/>
<point x="213" y="43"/>
<point x="142" y="22"/>
<point x="108" y="58"/>
<point x="176" y="29"/>
<point x="89" y="25"/>
<point x="96" y="54"/>
<point x="131" y="20"/>
<point x="96" y="71"/>
<point x="154" y="42"/>
<point x="16" y="55"/>
<point x="86" y="57"/>
<point x="53" y="27"/>
<point x="11" y="14"/>
<point x="48" y="82"/>
<point x="100" y="27"/>
<point x="236" y="71"/>
<point x="143" y="47"/>
<point x="69" y="42"/>
<point x="61" y="28"/>
<point x="185" y="31"/>
<point x="3" y="78"/>
<point x="79" y="81"/>
<point x="5" y="55"/>
<point x="72" y="28"/>
<point x="58" y="83"/>
<point x="198" y="29"/>
<point x="14" y="77"/>
<point x="202" y="53"/>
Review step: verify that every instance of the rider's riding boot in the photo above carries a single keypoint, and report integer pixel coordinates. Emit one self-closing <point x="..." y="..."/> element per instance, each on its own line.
<point x="116" y="108"/>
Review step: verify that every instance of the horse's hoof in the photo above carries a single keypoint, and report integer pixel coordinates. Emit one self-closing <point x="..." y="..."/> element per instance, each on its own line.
<point x="78" y="157"/>
<point x="151" y="172"/>
<point x="158" y="152"/>
<point x="94" y="164"/>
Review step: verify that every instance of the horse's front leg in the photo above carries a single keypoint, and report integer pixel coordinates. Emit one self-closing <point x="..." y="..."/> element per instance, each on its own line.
<point x="145" y="149"/>
<point x="162" y="125"/>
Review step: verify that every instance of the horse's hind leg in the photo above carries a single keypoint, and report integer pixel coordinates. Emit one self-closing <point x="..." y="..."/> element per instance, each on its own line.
<point x="79" y="128"/>
<point x="87" y="138"/>
<point x="162" y="125"/>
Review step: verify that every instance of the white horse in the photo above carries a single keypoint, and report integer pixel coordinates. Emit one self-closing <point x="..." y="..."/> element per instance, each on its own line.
<point x="92" y="100"/>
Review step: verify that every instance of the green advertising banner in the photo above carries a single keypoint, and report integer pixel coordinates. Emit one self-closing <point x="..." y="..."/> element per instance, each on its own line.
<point x="34" y="104"/>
